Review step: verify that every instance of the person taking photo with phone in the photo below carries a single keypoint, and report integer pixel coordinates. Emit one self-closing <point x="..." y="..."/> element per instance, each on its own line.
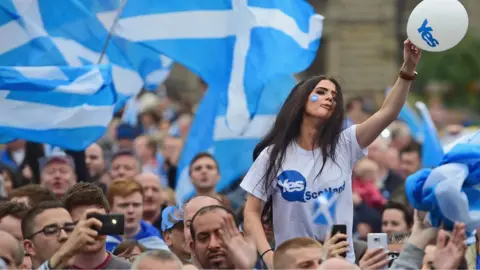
<point x="87" y="198"/>
<point x="306" y="153"/>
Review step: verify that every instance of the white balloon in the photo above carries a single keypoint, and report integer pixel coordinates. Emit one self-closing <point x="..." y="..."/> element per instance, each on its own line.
<point x="437" y="25"/>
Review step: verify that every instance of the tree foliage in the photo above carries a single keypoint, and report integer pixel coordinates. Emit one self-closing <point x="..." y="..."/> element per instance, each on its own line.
<point x="458" y="67"/>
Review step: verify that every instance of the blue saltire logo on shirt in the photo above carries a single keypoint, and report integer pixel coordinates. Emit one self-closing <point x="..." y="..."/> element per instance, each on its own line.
<point x="293" y="187"/>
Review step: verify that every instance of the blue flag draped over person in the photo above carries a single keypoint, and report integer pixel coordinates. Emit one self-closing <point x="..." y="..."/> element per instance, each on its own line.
<point x="69" y="107"/>
<point x="236" y="47"/>
<point x="450" y="191"/>
<point x="69" y="33"/>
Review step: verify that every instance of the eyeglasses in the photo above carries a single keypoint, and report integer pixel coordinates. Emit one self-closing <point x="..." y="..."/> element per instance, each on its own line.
<point x="54" y="230"/>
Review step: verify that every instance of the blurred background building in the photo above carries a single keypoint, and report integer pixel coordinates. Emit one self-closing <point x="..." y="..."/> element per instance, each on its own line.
<point x="362" y="46"/>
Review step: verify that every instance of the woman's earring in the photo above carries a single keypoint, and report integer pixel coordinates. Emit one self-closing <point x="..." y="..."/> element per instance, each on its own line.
<point x="314" y="98"/>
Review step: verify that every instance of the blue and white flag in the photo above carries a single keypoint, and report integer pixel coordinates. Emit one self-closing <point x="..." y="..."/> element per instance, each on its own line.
<point x="69" y="107"/>
<point x="233" y="152"/>
<point x="324" y="209"/>
<point x="411" y="119"/>
<point x="432" y="149"/>
<point x="235" y="46"/>
<point x="69" y="33"/>
<point x="449" y="192"/>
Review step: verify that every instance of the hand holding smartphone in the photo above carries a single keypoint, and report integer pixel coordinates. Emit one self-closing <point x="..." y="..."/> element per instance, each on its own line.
<point x="378" y="241"/>
<point x="112" y="224"/>
<point x="339" y="228"/>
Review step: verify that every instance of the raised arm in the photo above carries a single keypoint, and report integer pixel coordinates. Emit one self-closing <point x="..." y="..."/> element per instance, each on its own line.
<point x="369" y="130"/>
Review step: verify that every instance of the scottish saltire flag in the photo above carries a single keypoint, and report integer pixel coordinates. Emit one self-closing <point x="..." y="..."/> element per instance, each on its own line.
<point x="235" y="46"/>
<point x="432" y="150"/>
<point x="411" y="118"/>
<point x="232" y="151"/>
<point x="69" y="107"/>
<point x="69" y="33"/>
<point x="450" y="192"/>
<point x="324" y="209"/>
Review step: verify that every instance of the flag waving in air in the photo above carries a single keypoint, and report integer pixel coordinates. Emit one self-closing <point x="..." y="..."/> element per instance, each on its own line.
<point x="69" y="107"/>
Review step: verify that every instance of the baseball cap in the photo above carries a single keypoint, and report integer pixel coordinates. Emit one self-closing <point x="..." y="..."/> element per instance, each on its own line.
<point x="126" y="132"/>
<point x="170" y="217"/>
<point x="59" y="157"/>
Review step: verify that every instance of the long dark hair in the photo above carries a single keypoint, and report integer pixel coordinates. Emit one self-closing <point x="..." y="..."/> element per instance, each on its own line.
<point x="287" y="128"/>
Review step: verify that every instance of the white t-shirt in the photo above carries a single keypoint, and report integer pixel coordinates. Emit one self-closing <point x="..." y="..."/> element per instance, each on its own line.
<point x="295" y="189"/>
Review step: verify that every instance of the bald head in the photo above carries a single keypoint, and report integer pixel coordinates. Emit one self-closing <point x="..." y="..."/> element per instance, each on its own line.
<point x="191" y="208"/>
<point x="147" y="176"/>
<point x="338" y="263"/>
<point x="198" y="203"/>
<point x="11" y="251"/>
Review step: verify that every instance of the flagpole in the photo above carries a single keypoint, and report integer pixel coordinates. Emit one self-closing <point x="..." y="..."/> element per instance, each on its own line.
<point x="112" y="28"/>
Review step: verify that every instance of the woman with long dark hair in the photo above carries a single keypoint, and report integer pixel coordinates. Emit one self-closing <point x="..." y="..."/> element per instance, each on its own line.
<point x="306" y="154"/>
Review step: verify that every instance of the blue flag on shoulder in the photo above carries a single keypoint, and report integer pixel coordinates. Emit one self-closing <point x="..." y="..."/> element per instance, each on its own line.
<point x="69" y="107"/>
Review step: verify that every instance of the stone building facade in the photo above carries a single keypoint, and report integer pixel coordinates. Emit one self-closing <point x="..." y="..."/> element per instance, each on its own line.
<point x="362" y="41"/>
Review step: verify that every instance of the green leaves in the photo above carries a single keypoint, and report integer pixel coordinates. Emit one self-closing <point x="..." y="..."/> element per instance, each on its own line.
<point x="459" y="67"/>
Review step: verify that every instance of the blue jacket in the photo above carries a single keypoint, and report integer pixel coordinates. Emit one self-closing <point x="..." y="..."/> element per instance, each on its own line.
<point x="148" y="236"/>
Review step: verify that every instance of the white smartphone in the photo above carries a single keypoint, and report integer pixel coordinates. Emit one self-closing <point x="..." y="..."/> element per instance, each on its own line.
<point x="377" y="240"/>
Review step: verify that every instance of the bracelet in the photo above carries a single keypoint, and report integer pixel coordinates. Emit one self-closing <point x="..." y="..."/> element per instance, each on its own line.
<point x="265" y="252"/>
<point x="407" y="76"/>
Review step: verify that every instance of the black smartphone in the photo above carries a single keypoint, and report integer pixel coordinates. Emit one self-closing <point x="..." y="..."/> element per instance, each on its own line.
<point x="112" y="224"/>
<point x="339" y="228"/>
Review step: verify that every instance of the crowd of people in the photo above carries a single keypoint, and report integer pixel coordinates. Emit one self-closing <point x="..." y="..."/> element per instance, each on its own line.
<point x="51" y="196"/>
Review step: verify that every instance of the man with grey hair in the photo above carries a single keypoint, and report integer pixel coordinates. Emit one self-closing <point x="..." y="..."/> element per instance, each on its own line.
<point x="11" y="251"/>
<point x="157" y="259"/>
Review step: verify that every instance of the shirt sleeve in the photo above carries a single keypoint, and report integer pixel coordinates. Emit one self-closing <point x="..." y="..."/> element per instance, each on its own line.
<point x="254" y="180"/>
<point x="410" y="258"/>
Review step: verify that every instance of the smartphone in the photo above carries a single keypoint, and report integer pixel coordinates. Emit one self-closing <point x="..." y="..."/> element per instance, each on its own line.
<point x="112" y="224"/>
<point x="377" y="240"/>
<point x="339" y="228"/>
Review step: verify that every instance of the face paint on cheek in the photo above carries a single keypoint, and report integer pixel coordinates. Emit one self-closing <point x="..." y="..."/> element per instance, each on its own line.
<point x="314" y="98"/>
